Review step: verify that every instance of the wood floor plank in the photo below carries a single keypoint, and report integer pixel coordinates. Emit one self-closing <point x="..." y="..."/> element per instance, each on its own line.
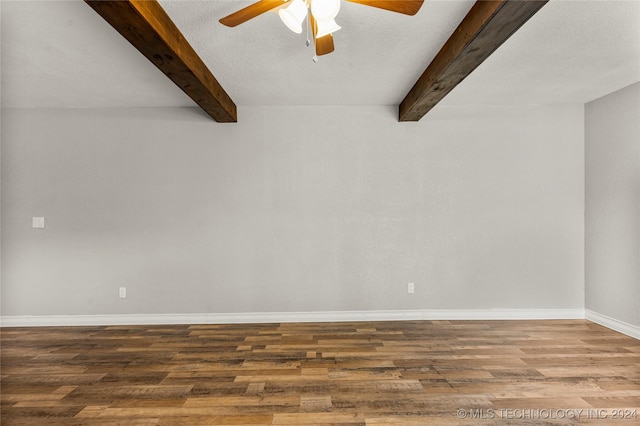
<point x="353" y="373"/>
<point x="258" y="419"/>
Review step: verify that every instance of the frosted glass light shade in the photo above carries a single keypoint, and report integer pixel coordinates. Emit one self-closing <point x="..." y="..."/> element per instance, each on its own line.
<point x="326" y="28"/>
<point x="293" y="15"/>
<point x="325" y="10"/>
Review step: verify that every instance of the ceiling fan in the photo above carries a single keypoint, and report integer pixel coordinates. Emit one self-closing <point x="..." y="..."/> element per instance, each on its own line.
<point x="321" y="14"/>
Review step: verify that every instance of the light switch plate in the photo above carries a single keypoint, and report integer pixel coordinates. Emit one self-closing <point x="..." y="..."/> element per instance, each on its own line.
<point x="37" y="222"/>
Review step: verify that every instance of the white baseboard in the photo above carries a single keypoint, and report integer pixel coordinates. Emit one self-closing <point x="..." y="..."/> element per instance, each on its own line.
<point x="320" y="316"/>
<point x="278" y="317"/>
<point x="612" y="323"/>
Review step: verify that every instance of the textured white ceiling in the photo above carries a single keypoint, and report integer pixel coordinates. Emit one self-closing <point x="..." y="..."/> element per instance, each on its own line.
<point x="62" y="54"/>
<point x="570" y="51"/>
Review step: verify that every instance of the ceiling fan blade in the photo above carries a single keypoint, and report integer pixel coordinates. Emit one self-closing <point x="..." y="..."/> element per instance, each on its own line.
<point x="250" y="12"/>
<point x="406" y="7"/>
<point x="323" y="44"/>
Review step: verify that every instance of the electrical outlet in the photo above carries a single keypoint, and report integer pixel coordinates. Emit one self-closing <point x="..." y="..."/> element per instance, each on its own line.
<point x="411" y="288"/>
<point x="37" y="222"/>
<point x="123" y="292"/>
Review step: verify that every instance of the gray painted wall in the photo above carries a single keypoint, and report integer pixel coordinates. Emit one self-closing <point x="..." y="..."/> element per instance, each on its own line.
<point x="612" y="205"/>
<point x="292" y="209"/>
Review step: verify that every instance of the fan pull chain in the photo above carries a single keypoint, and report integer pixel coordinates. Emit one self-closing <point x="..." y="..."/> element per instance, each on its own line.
<point x="308" y="43"/>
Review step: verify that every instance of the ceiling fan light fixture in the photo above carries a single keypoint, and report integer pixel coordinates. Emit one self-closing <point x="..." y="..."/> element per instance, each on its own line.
<point x="294" y="15"/>
<point x="320" y="16"/>
<point x="326" y="27"/>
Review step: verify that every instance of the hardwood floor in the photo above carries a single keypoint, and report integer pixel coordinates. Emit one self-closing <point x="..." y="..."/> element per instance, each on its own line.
<point x="373" y="373"/>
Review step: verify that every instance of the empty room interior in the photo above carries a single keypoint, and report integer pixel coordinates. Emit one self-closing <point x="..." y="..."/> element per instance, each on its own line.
<point x="265" y="212"/>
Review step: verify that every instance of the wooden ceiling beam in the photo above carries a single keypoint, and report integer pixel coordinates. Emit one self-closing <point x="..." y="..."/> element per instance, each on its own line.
<point x="487" y="25"/>
<point x="146" y="25"/>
